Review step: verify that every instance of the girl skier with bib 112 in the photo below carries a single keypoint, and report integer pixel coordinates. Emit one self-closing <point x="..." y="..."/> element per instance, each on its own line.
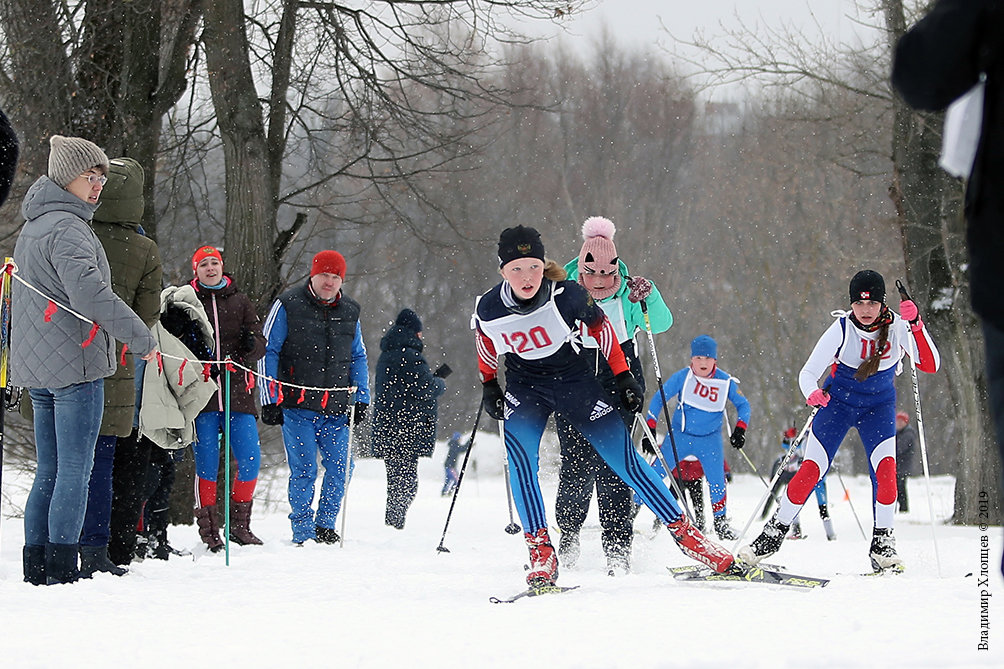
<point x="862" y="350"/>
<point x="532" y="318"/>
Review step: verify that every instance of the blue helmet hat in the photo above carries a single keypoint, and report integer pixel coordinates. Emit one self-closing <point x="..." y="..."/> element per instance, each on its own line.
<point x="704" y="345"/>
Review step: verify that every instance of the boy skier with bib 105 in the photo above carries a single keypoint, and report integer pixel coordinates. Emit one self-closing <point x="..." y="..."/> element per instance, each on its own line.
<point x="703" y="389"/>
<point x="861" y="354"/>
<point x="532" y="318"/>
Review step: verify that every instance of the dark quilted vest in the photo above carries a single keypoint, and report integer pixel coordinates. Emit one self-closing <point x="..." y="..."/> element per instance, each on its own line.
<point x="318" y="350"/>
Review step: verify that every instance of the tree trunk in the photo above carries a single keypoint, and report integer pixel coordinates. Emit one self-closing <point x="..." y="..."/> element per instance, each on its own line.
<point x="928" y="204"/>
<point x="250" y="227"/>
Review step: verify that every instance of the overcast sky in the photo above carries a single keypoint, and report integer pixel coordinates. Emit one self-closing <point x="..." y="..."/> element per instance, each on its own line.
<point x="636" y="22"/>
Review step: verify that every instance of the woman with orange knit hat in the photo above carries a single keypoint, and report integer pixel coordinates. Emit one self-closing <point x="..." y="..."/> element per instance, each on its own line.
<point x="237" y="335"/>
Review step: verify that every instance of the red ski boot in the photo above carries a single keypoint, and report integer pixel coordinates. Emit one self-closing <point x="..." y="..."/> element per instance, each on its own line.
<point x="696" y="545"/>
<point x="543" y="561"/>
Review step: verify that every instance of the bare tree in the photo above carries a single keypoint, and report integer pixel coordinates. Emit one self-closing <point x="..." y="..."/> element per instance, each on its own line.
<point x="927" y="205"/>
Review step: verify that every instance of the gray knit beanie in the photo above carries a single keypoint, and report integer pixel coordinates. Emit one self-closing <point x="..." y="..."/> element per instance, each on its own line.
<point x="69" y="157"/>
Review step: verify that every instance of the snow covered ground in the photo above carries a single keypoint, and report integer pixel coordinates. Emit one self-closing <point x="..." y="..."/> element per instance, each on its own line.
<point x="388" y="598"/>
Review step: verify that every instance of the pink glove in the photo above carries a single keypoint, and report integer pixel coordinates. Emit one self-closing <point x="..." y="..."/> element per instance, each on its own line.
<point x="640" y="287"/>
<point x="908" y="310"/>
<point x="818" y="398"/>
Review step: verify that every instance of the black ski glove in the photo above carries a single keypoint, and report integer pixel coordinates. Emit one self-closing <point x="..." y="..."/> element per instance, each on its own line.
<point x="493" y="399"/>
<point x="271" y="414"/>
<point x="443" y="371"/>
<point x="247" y="341"/>
<point x="646" y="446"/>
<point x="360" y="413"/>
<point x="631" y="393"/>
<point x="738" y="439"/>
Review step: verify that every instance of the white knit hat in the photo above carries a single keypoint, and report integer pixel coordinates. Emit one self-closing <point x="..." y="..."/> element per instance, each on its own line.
<point x="69" y="157"/>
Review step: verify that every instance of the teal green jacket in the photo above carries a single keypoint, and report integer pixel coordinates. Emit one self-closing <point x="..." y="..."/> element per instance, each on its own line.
<point x="659" y="314"/>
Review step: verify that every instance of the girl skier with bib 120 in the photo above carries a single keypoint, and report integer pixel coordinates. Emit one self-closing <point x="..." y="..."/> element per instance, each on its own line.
<point x="532" y="318"/>
<point x="862" y="350"/>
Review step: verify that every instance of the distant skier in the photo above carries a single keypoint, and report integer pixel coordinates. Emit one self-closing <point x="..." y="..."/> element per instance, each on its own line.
<point x="906" y="444"/>
<point x="794" y="462"/>
<point x="454" y="447"/>
<point x="703" y="389"/>
<point x="532" y="317"/>
<point x="862" y="350"/>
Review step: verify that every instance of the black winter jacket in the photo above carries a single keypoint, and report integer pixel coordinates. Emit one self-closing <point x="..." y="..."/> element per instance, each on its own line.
<point x="936" y="61"/>
<point x="404" y="409"/>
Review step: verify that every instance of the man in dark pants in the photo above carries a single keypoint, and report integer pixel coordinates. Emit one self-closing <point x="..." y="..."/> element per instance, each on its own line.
<point x="944" y="55"/>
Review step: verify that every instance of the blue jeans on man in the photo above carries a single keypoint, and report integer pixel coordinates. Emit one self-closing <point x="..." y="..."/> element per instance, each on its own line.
<point x="306" y="434"/>
<point x="67" y="421"/>
<point x="96" y="530"/>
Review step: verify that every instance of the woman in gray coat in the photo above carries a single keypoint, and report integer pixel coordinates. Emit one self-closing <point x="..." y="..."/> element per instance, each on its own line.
<point x="60" y="357"/>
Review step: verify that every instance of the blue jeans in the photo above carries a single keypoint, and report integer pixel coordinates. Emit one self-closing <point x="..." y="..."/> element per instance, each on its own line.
<point x="67" y="421"/>
<point x="243" y="442"/>
<point x="97" y="517"/>
<point x="306" y="433"/>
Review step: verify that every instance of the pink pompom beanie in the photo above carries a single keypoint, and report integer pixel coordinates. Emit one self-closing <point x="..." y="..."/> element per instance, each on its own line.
<point x="599" y="255"/>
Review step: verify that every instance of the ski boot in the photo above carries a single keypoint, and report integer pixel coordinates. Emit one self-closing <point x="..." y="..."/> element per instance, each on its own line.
<point x="543" y="560"/>
<point x="765" y="545"/>
<point x="618" y="552"/>
<point x="883" y="551"/>
<point x="796" y="530"/>
<point x="568" y="548"/>
<point x="824" y="513"/>
<point x="697" y="546"/>
<point x="723" y="530"/>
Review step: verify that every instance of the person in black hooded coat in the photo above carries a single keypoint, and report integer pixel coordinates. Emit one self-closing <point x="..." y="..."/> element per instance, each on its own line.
<point x="404" y="413"/>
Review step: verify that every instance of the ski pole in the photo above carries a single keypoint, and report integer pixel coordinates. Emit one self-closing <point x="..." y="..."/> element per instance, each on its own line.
<point x="847" y="495"/>
<point x="662" y="392"/>
<point x="460" y="479"/>
<point x="348" y="469"/>
<point x="512" y="527"/>
<point x="727" y="426"/>
<point x="920" y="428"/>
<point x="658" y="454"/>
<point x="226" y="458"/>
<point x="784" y="461"/>
<point x="5" y="290"/>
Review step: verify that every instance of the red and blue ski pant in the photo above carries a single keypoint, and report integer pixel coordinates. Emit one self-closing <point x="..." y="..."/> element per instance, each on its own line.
<point x="876" y="425"/>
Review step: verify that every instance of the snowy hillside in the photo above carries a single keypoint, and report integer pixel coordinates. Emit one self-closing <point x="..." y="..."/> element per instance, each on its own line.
<point x="388" y="598"/>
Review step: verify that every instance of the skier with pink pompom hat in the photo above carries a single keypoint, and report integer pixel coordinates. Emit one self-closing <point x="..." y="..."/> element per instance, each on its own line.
<point x="601" y="272"/>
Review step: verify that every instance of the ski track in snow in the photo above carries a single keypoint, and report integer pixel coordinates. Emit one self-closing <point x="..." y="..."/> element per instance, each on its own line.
<point x="388" y="598"/>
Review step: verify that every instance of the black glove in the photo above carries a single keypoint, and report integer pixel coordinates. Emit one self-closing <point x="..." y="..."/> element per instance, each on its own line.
<point x="631" y="394"/>
<point x="738" y="439"/>
<point x="443" y="371"/>
<point x="493" y="399"/>
<point x="271" y="414"/>
<point x="646" y="446"/>
<point x="175" y="320"/>
<point x="360" y="413"/>
<point x="247" y="341"/>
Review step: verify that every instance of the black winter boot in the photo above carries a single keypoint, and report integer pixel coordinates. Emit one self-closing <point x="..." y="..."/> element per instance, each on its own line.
<point x="61" y="563"/>
<point x="33" y="558"/>
<point x="209" y="529"/>
<point x="723" y="530"/>
<point x="568" y="548"/>
<point x="94" y="559"/>
<point x="240" y="525"/>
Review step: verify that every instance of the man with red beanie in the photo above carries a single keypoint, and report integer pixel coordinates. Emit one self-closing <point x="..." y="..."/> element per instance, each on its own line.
<point x="316" y="355"/>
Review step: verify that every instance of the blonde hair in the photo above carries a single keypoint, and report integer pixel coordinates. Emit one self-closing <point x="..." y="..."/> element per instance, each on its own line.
<point x="554" y="271"/>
